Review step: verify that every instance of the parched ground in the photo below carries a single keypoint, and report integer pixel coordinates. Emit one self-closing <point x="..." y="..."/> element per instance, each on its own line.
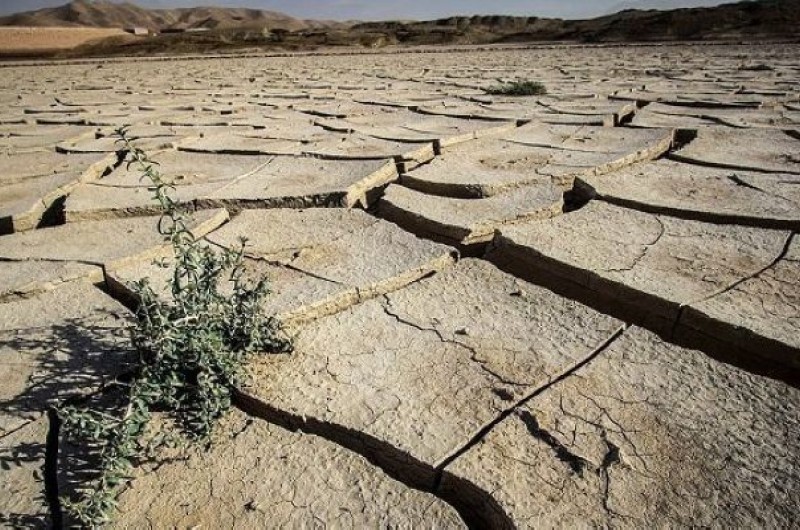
<point x="30" y="39"/>
<point x="578" y="309"/>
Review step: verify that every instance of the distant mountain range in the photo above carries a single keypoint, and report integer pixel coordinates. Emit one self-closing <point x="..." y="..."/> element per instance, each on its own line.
<point x="229" y="28"/>
<point x="105" y="14"/>
<point x="661" y="5"/>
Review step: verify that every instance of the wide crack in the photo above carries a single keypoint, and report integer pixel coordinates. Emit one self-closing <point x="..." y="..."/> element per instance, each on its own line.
<point x="51" y="469"/>
<point x="467" y="499"/>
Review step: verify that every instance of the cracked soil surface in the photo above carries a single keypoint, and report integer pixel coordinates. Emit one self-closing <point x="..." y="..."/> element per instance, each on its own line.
<point x="580" y="309"/>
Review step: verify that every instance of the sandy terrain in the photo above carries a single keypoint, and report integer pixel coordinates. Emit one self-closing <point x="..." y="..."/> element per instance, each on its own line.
<point x="36" y="39"/>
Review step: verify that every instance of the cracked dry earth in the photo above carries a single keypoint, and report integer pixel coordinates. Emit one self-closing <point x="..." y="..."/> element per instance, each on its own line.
<point x="579" y="309"/>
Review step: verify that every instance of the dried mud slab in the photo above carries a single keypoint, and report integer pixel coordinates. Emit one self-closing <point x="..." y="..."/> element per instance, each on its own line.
<point x="646" y="434"/>
<point x="534" y="153"/>
<point x="96" y="202"/>
<point x="60" y="119"/>
<point x="468" y="222"/>
<point x="43" y="259"/>
<point x="762" y="312"/>
<point x="275" y="127"/>
<point x="463" y="109"/>
<point x="12" y="118"/>
<point x="429" y="366"/>
<point x="481" y="169"/>
<point x="340" y="109"/>
<point x="295" y="238"/>
<point x="18" y="139"/>
<point x="228" y="144"/>
<point x="445" y="132"/>
<point x="112" y="145"/>
<point x="35" y="183"/>
<point x="295" y="296"/>
<point x="23" y="205"/>
<point x="300" y="182"/>
<point x="125" y="192"/>
<point x="765" y="150"/>
<point x="100" y="241"/>
<point x="289" y="231"/>
<point x="648" y="120"/>
<point x="453" y="132"/>
<point x="606" y="148"/>
<point x="196" y="120"/>
<point x="259" y="475"/>
<point x="726" y="117"/>
<point x="635" y="146"/>
<point x="718" y="98"/>
<point x="23" y="279"/>
<point x="356" y="146"/>
<point x="53" y="109"/>
<point x="140" y="130"/>
<point x="23" y="166"/>
<point x="108" y="121"/>
<point x="544" y="111"/>
<point x="522" y="333"/>
<point x="638" y="264"/>
<point x="182" y="169"/>
<point x="618" y="110"/>
<point x="714" y="195"/>
<point x="318" y="262"/>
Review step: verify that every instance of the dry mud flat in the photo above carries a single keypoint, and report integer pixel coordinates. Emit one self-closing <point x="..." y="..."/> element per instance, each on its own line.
<point x="565" y="310"/>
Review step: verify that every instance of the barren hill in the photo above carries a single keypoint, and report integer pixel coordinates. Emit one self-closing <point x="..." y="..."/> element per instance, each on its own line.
<point x="105" y="14"/>
<point x="749" y="19"/>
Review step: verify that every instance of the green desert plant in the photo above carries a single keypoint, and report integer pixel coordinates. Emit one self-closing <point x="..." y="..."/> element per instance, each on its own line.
<point x="190" y="348"/>
<point x="518" y="88"/>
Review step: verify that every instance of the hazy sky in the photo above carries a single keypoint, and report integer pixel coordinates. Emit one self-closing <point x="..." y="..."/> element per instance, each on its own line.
<point x="399" y="9"/>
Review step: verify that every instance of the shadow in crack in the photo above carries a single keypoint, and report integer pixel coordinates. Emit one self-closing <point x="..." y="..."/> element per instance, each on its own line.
<point x="22" y="457"/>
<point x="18" y="520"/>
<point x="44" y="367"/>
<point x="76" y="464"/>
<point x="47" y="365"/>
<point x="21" y="454"/>
<point x="576" y="464"/>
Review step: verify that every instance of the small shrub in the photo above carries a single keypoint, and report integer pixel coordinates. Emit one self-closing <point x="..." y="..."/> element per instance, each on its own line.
<point x="518" y="88"/>
<point x="756" y="68"/>
<point x="190" y="350"/>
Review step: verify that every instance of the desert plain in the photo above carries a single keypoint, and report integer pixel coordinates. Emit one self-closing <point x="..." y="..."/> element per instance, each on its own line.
<point x="572" y="309"/>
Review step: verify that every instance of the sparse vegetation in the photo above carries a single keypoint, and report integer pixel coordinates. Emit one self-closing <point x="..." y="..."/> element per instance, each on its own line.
<point x="190" y="350"/>
<point x="756" y="68"/>
<point x="518" y="88"/>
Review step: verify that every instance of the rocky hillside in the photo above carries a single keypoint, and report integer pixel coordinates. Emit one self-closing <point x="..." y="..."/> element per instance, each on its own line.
<point x="751" y="19"/>
<point x="102" y="13"/>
